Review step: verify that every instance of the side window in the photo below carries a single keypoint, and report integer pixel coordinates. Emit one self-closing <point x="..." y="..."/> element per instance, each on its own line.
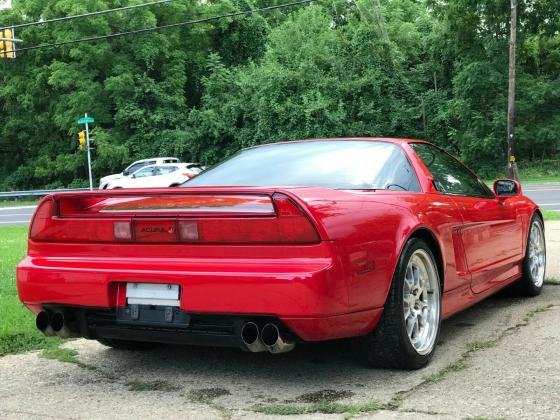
<point x="397" y="174"/>
<point x="450" y="175"/>
<point x="170" y="160"/>
<point x="167" y="169"/>
<point x="133" y="168"/>
<point x="144" y="172"/>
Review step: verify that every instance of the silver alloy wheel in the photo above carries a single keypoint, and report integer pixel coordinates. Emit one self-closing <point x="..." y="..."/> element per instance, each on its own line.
<point x="421" y="301"/>
<point x="537" y="254"/>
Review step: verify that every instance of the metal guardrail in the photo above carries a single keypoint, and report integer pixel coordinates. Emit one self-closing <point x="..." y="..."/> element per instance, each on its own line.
<point x="38" y="193"/>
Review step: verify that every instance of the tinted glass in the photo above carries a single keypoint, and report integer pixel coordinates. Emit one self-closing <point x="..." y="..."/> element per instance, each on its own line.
<point x="133" y="168"/>
<point x="450" y="175"/>
<point x="331" y="164"/>
<point x="167" y="169"/>
<point x="144" y="172"/>
<point x="194" y="168"/>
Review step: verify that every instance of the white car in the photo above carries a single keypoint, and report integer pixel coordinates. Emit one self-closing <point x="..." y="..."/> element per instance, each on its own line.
<point x="158" y="176"/>
<point x="104" y="182"/>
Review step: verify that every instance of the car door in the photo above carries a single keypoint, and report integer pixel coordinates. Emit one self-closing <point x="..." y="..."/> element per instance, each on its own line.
<point x="141" y="178"/>
<point x="156" y="179"/>
<point x="492" y="233"/>
<point x="164" y="177"/>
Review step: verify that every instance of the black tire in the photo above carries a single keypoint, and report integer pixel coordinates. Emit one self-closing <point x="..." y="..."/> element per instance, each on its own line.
<point x="388" y="345"/>
<point x="529" y="285"/>
<point x="127" y="345"/>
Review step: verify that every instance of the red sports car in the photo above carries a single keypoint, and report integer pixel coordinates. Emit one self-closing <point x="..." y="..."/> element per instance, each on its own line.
<point x="372" y="239"/>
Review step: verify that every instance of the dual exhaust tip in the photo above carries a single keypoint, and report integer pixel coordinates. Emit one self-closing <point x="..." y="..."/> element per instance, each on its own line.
<point x="54" y="324"/>
<point x="269" y="338"/>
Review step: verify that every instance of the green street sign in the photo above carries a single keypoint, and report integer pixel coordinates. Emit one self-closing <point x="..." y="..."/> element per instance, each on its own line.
<point x="84" y="120"/>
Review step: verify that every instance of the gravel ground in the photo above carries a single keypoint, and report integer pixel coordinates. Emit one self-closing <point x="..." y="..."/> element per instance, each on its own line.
<point x="499" y="359"/>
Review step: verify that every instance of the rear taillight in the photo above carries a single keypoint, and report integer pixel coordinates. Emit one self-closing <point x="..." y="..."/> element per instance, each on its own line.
<point x="249" y="221"/>
<point x="42" y="218"/>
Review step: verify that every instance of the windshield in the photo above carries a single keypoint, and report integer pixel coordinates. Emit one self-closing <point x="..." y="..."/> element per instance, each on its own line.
<point x="333" y="164"/>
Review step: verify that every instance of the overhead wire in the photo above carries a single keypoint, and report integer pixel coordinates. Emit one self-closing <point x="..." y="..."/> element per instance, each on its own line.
<point x="163" y="27"/>
<point x="83" y="15"/>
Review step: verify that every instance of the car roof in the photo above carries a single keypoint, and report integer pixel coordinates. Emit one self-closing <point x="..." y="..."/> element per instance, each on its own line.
<point x="159" y="165"/>
<point x="395" y="140"/>
<point x="156" y="158"/>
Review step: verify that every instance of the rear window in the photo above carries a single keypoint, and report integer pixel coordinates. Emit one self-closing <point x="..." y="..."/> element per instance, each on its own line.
<point x="195" y="168"/>
<point x="332" y="164"/>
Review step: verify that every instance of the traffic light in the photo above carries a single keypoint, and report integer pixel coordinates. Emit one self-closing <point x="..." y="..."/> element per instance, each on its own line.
<point x="7" y="44"/>
<point x="82" y="139"/>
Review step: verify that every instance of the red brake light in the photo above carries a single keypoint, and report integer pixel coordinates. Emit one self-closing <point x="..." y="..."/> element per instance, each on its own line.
<point x="42" y="218"/>
<point x="293" y="224"/>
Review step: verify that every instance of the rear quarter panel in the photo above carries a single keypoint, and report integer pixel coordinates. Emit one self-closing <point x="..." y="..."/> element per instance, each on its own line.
<point x="370" y="229"/>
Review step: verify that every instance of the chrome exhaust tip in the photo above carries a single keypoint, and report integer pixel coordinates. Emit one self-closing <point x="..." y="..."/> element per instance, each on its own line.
<point x="43" y="323"/>
<point x="250" y="337"/>
<point x="60" y="327"/>
<point x="274" y="341"/>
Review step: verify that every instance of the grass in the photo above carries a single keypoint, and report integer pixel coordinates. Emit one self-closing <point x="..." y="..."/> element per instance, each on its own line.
<point x="163" y="386"/>
<point x="324" y="407"/>
<point x="17" y="203"/>
<point x="17" y="329"/>
<point x="207" y="395"/>
<point x="530" y="172"/>
<point x="551" y="214"/>
<point x="552" y="281"/>
<point x="325" y="401"/>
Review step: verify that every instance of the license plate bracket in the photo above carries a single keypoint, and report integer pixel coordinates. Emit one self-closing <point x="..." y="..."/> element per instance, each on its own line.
<point x="153" y="316"/>
<point x="158" y="294"/>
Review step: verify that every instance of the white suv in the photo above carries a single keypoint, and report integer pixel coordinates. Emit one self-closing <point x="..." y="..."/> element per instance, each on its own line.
<point x="158" y="176"/>
<point x="104" y="182"/>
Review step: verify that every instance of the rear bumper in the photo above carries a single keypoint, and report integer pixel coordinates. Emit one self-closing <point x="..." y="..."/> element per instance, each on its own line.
<point x="308" y="295"/>
<point x="198" y="329"/>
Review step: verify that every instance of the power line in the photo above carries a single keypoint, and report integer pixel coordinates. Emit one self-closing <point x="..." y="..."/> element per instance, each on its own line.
<point x="159" y="28"/>
<point x="100" y="12"/>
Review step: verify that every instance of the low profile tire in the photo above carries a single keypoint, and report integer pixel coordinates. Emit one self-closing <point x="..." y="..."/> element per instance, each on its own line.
<point x="534" y="263"/>
<point x="407" y="333"/>
<point x="127" y="345"/>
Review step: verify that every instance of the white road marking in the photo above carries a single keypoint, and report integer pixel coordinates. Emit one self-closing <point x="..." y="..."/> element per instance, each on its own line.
<point x="15" y="222"/>
<point x="17" y="208"/>
<point x="15" y="214"/>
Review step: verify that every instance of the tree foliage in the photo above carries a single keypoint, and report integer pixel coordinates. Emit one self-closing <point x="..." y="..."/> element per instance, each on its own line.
<point x="433" y="69"/>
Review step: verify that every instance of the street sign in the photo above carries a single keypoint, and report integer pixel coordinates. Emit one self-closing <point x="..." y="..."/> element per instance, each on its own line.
<point x="86" y="120"/>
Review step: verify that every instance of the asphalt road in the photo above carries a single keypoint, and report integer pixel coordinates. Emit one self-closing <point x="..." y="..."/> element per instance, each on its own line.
<point x="16" y="215"/>
<point x="545" y="195"/>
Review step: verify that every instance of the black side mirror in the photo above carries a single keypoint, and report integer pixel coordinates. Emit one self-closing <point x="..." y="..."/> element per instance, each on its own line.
<point x="125" y="173"/>
<point x="506" y="188"/>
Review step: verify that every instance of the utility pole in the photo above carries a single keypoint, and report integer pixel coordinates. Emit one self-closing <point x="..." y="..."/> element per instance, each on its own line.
<point x="85" y="120"/>
<point x="512" y="171"/>
<point x="88" y="154"/>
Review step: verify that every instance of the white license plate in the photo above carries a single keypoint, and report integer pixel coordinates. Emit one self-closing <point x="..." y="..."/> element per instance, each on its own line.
<point x="152" y="294"/>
